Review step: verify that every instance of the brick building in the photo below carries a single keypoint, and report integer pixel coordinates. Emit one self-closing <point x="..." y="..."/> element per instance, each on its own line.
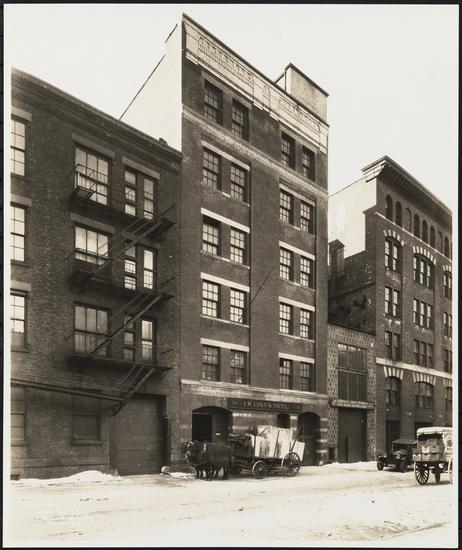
<point x="351" y="387"/>
<point x="93" y="312"/>
<point x="390" y="273"/>
<point x="253" y="229"/>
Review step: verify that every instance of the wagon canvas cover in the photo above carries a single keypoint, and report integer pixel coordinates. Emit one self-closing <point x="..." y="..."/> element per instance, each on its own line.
<point x="274" y="442"/>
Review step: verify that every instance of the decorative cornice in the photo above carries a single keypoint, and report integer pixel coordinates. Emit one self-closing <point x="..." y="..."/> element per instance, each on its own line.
<point x="421" y="377"/>
<point x="395" y="235"/>
<point x="393" y="371"/>
<point x="412" y="368"/>
<point x="424" y="252"/>
<point x="251" y="152"/>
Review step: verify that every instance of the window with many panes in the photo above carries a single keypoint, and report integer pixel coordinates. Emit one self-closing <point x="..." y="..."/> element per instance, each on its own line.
<point x="18" y="414"/>
<point x="393" y="345"/>
<point x="148" y="269"/>
<point x="90" y="326"/>
<point x="423" y="354"/>
<point x="447" y="360"/>
<point x="423" y="271"/>
<point x="392" y="391"/>
<point x="238" y="367"/>
<point x="447" y="284"/>
<point x="130" y="192"/>
<point x="447" y="324"/>
<point x="392" y="255"/>
<point x="307" y="217"/>
<point x="238" y="178"/>
<point x="286" y="264"/>
<point x="448" y="398"/>
<point x="18" y="147"/>
<point x="130" y="268"/>
<point x="18" y="233"/>
<point x="211" y="169"/>
<point x="210" y="363"/>
<point x="352" y="386"/>
<point x="352" y="357"/>
<point x="287" y="151"/>
<point x="238" y="242"/>
<point x="18" y="319"/>
<point x="238" y="306"/>
<point x="423" y="314"/>
<point x="240" y="120"/>
<point x="286" y="319"/>
<point x="213" y="103"/>
<point x="286" y="207"/>
<point x="86" y="414"/>
<point x="392" y="302"/>
<point x="210" y="236"/>
<point x="129" y="340"/>
<point x="424" y="395"/>
<point x="147" y="340"/>
<point x="210" y="299"/>
<point x="307" y="376"/>
<point x="307" y="324"/>
<point x="306" y="272"/>
<point x="91" y="246"/>
<point x="148" y="199"/>
<point x="285" y="374"/>
<point x="92" y="173"/>
<point x="308" y="164"/>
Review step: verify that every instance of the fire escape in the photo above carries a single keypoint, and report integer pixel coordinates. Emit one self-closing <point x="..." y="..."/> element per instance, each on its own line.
<point x="95" y="270"/>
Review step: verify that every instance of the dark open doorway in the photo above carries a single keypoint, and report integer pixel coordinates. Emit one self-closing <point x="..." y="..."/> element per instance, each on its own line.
<point x="210" y="424"/>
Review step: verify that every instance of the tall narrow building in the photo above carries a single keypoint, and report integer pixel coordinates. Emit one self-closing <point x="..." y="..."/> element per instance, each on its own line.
<point x="390" y="273"/>
<point x="253" y="230"/>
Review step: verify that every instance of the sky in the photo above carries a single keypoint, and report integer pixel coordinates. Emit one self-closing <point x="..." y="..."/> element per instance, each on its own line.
<point x="391" y="71"/>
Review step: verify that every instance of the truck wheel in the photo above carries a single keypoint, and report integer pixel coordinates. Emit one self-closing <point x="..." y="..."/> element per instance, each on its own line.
<point x="403" y="466"/>
<point x="380" y="465"/>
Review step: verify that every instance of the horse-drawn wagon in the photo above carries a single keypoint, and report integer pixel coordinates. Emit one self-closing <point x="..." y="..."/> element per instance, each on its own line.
<point x="269" y="449"/>
<point x="433" y="454"/>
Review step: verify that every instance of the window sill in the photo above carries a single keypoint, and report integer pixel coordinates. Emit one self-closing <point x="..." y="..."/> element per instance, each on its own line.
<point x="20" y="349"/>
<point x="18" y="262"/>
<point x="85" y="442"/>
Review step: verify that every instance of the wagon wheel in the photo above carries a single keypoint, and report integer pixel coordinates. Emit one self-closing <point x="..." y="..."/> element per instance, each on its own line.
<point x="450" y="470"/>
<point x="259" y="469"/>
<point x="437" y="473"/>
<point x="292" y="462"/>
<point x="421" y="473"/>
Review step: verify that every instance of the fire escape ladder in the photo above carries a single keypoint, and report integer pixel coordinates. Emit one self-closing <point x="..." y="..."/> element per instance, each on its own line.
<point x="137" y="376"/>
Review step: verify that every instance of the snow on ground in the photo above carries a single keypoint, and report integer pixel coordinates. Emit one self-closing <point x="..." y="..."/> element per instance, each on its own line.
<point x="332" y="505"/>
<point x="355" y="465"/>
<point x="89" y="476"/>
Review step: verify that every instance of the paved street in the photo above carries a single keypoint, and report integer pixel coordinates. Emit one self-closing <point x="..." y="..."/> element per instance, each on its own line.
<point x="321" y="505"/>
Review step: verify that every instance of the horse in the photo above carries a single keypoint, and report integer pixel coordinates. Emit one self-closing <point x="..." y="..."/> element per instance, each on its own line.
<point x="208" y="458"/>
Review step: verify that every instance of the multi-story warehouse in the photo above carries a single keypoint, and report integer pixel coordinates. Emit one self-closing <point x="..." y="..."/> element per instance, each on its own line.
<point x="94" y="280"/>
<point x="391" y="274"/>
<point x="253" y="221"/>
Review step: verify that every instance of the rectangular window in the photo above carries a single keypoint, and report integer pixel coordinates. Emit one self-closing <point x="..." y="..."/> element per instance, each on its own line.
<point x="91" y="246"/>
<point x="352" y="386"/>
<point x="429" y="320"/>
<point x="18" y="414"/>
<point x="306" y="272"/>
<point x="285" y="319"/>
<point x="238" y="246"/>
<point x="392" y="255"/>
<point x="210" y="236"/>
<point x="396" y="347"/>
<point x="86" y="418"/>
<point x="388" y="300"/>
<point x="423" y="271"/>
<point x="392" y="393"/>
<point x="308" y="164"/>
<point x="447" y="359"/>
<point x="447" y="324"/>
<point x="307" y="377"/>
<point x="90" y="326"/>
<point x="210" y="299"/>
<point x="238" y="367"/>
<point x="416" y="352"/>
<point x="213" y="103"/>
<point x="285" y="374"/>
<point x="448" y="398"/>
<point x="129" y="340"/>
<point x="238" y="183"/>
<point x="447" y="284"/>
<point x="286" y="207"/>
<point x="392" y="302"/>
<point x="210" y="363"/>
<point x="147" y="340"/>
<point x="286" y="265"/>
<point x="430" y="363"/>
<point x="307" y="324"/>
<point x="352" y="357"/>
<point x="130" y="192"/>
<point x="422" y="314"/>
<point x="130" y="268"/>
<point x="211" y="169"/>
<point x="240" y="120"/>
<point x="92" y="173"/>
<point x="238" y="306"/>
<point x="148" y="199"/>
<point x="148" y="269"/>
<point x="387" y="342"/>
<point x="424" y="395"/>
<point x="416" y="311"/>
<point x="18" y="233"/>
<point x="307" y="217"/>
<point x="287" y="151"/>
<point x="18" y="147"/>
<point x="18" y="320"/>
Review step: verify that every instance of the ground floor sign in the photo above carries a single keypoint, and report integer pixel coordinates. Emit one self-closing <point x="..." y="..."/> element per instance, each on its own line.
<point x="261" y="405"/>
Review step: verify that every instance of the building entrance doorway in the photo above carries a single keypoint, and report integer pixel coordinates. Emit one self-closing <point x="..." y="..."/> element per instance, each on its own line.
<point x="351" y="435"/>
<point x="210" y="424"/>
<point x="308" y="424"/>
<point x="283" y="420"/>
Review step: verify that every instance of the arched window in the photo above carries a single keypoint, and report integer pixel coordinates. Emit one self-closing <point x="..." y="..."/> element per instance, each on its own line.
<point x="408" y="220"/>
<point x="440" y="241"/>
<point x="389" y="208"/>
<point x="393" y="254"/>
<point x="432" y="237"/>
<point x="447" y="252"/>
<point x="399" y="214"/>
<point x="416" y="225"/>
<point x="424" y="271"/>
<point x="392" y="391"/>
<point x="424" y="395"/>
<point x="425" y="231"/>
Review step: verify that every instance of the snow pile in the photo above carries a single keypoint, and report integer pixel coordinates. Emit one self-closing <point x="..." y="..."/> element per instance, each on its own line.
<point x="182" y="475"/>
<point x="354" y="465"/>
<point x="89" y="476"/>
